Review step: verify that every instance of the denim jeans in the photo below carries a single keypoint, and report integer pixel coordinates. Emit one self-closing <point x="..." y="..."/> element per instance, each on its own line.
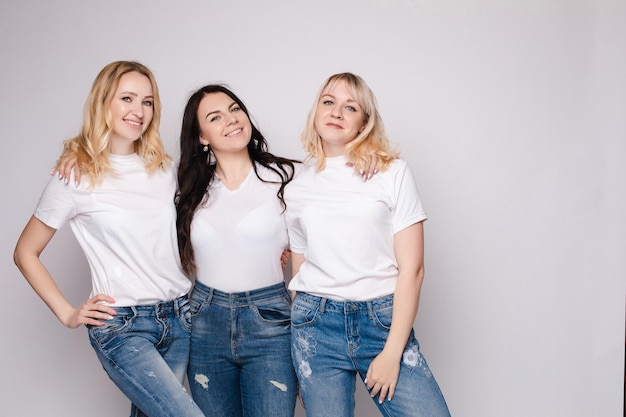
<point x="334" y="341"/>
<point x="145" y="350"/>
<point x="240" y="362"/>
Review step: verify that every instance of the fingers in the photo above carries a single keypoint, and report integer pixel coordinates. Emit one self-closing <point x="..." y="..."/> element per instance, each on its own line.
<point x="368" y="168"/>
<point x="94" y="312"/>
<point x="64" y="170"/>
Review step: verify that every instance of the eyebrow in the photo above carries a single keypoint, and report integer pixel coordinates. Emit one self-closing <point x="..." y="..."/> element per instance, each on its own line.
<point x="132" y="93"/>
<point x="234" y="103"/>
<point x="332" y="96"/>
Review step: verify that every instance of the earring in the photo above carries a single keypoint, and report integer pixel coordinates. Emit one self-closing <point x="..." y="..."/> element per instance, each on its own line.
<point x="206" y="148"/>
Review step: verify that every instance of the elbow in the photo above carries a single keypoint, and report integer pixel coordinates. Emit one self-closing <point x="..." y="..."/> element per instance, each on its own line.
<point x="17" y="257"/>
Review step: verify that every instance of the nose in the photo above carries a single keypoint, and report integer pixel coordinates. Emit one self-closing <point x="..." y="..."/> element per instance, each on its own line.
<point x="138" y="109"/>
<point x="231" y="118"/>
<point x="336" y="113"/>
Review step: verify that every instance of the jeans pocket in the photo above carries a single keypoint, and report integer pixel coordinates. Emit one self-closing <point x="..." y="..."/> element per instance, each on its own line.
<point x="185" y="315"/>
<point x="276" y="311"/>
<point x="110" y="329"/>
<point x="303" y="315"/>
<point x="383" y="316"/>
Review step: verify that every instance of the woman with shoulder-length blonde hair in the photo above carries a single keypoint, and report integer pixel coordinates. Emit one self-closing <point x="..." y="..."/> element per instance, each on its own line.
<point x="371" y="138"/>
<point x="357" y="258"/>
<point x="124" y="218"/>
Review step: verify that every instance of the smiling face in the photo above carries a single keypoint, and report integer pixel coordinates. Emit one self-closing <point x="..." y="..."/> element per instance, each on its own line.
<point x="338" y="118"/>
<point x="223" y="124"/>
<point x="131" y="109"/>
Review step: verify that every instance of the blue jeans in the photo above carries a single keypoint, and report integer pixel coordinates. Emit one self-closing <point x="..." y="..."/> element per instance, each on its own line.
<point x="240" y="361"/>
<point x="334" y="341"/>
<point x="145" y="350"/>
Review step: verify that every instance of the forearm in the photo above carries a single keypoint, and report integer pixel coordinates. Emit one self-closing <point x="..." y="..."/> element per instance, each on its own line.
<point x="405" y="306"/>
<point x="44" y="285"/>
<point x="409" y="248"/>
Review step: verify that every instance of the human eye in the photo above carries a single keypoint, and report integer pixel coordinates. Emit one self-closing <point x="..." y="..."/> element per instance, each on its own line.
<point x="127" y="99"/>
<point x="327" y="102"/>
<point x="214" y="118"/>
<point x="148" y="103"/>
<point x="351" y="108"/>
<point x="235" y="109"/>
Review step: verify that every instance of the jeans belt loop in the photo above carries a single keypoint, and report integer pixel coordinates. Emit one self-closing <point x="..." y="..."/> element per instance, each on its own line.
<point x="370" y="309"/>
<point x="322" y="305"/>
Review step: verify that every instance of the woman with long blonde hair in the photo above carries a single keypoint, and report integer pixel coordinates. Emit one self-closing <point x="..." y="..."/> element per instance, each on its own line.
<point x="124" y="218"/>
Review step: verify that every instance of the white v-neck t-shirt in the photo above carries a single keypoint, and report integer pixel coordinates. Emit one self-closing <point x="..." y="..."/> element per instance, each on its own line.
<point x="238" y="235"/>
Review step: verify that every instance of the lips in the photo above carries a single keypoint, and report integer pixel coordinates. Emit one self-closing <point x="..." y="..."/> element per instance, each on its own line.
<point x="234" y="132"/>
<point x="133" y="123"/>
<point x="334" y="126"/>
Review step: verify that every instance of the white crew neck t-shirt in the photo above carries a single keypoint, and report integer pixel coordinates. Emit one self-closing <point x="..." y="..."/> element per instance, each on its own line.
<point x="345" y="227"/>
<point x="126" y="227"/>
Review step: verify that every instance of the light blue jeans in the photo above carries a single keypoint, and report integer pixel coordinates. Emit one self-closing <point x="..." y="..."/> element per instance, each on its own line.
<point x="240" y="361"/>
<point x="145" y="351"/>
<point x="334" y="341"/>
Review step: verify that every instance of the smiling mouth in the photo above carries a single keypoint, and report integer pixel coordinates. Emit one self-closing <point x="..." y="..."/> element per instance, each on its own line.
<point x="234" y="132"/>
<point x="133" y="123"/>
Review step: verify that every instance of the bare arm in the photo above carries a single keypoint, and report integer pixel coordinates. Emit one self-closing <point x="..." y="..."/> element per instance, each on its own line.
<point x="297" y="259"/>
<point x="383" y="372"/>
<point x="33" y="240"/>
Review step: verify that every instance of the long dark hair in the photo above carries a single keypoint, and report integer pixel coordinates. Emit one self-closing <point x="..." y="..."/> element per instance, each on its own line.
<point x="196" y="172"/>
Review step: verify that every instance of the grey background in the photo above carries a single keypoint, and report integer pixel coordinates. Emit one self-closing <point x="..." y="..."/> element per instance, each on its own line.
<point x="511" y="114"/>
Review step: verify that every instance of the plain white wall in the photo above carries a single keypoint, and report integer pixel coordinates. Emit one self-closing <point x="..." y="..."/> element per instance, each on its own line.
<point x="511" y="114"/>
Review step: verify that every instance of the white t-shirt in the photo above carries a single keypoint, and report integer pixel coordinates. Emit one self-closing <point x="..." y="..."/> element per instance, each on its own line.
<point x="345" y="227"/>
<point x="238" y="236"/>
<point x="126" y="227"/>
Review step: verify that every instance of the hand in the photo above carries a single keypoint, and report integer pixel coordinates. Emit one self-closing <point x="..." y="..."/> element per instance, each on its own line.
<point x="64" y="169"/>
<point x="382" y="376"/>
<point x="284" y="258"/>
<point x="91" y="312"/>
<point x="368" y="169"/>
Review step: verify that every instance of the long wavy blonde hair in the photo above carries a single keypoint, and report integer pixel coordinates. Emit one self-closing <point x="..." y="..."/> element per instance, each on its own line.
<point x="91" y="146"/>
<point x="371" y="140"/>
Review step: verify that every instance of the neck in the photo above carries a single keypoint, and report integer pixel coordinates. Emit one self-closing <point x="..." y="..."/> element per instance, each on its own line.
<point x="233" y="169"/>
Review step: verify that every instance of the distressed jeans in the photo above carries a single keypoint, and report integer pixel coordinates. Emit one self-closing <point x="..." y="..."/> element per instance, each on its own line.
<point x="145" y="350"/>
<point x="334" y="341"/>
<point x="240" y="362"/>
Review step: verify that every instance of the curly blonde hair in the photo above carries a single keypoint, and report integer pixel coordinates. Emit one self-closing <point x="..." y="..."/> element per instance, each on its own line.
<point x="91" y="146"/>
<point x="371" y="140"/>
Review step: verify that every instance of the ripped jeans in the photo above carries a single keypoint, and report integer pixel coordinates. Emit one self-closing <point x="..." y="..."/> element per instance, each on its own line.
<point x="145" y="349"/>
<point x="333" y="341"/>
<point x="240" y="362"/>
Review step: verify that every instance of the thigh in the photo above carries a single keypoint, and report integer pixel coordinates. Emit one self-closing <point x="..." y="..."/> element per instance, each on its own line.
<point x="268" y="381"/>
<point x="130" y="357"/>
<point x="212" y="373"/>
<point x="320" y="357"/>
<point x="417" y="393"/>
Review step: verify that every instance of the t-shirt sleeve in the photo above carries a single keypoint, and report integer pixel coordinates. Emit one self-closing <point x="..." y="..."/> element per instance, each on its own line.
<point x="408" y="208"/>
<point x="55" y="205"/>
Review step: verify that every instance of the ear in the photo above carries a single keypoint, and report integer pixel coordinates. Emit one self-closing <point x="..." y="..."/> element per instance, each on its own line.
<point x="203" y="141"/>
<point x="361" y="128"/>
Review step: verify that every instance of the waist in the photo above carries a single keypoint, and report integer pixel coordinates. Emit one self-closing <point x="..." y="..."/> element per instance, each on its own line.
<point x="160" y="309"/>
<point x="238" y="299"/>
<point x="327" y="304"/>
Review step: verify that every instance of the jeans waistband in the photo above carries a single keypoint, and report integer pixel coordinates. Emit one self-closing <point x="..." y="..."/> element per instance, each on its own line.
<point x="326" y="304"/>
<point x="160" y="309"/>
<point x="238" y="299"/>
